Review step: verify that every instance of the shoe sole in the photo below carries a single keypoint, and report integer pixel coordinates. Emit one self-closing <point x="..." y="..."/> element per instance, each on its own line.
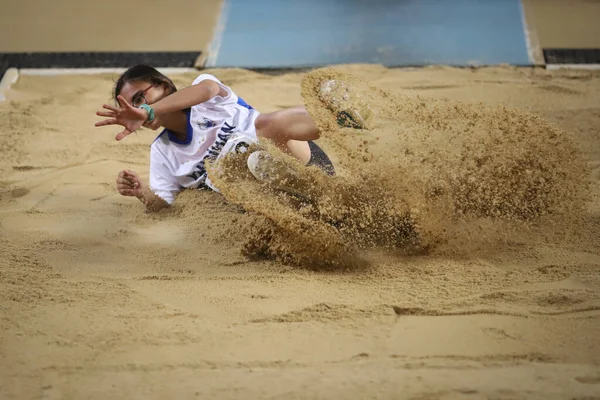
<point x="346" y="118"/>
<point x="261" y="166"/>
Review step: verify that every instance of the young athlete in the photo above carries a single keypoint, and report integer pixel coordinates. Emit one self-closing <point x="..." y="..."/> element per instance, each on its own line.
<point x="205" y="120"/>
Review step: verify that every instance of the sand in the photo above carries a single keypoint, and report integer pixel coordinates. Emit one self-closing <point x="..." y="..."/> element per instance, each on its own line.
<point x="101" y="300"/>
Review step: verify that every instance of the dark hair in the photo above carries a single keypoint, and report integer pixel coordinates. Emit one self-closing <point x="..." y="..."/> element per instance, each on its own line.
<point x="143" y="73"/>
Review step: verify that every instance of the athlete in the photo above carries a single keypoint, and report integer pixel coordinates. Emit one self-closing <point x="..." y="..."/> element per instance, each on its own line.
<point x="203" y="121"/>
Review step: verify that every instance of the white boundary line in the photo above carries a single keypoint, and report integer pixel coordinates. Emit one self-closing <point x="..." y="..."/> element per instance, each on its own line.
<point x="554" y="67"/>
<point x="10" y="77"/>
<point x="534" y="50"/>
<point x="215" y="45"/>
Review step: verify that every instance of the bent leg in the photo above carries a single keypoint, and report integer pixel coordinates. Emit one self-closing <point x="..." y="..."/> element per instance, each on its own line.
<point x="290" y="130"/>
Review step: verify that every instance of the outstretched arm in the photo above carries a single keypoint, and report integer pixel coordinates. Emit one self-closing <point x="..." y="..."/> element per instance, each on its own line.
<point x="188" y="97"/>
<point x="132" y="118"/>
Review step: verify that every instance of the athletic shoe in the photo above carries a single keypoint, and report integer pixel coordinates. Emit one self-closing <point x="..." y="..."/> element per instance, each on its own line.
<point x="336" y="96"/>
<point x="274" y="172"/>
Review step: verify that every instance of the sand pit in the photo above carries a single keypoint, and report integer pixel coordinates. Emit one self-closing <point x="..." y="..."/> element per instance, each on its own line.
<point x="453" y="174"/>
<point x="100" y="300"/>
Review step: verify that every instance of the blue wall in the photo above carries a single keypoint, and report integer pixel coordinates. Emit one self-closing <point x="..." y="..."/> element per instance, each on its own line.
<point x="288" y="33"/>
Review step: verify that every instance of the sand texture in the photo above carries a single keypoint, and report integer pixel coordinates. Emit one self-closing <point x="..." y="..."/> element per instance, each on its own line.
<point x="455" y="255"/>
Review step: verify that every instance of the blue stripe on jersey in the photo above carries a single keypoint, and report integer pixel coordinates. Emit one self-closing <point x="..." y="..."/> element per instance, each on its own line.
<point x="160" y="134"/>
<point x="242" y="103"/>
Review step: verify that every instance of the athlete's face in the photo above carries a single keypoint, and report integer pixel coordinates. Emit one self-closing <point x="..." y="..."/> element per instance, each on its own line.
<point x="140" y="92"/>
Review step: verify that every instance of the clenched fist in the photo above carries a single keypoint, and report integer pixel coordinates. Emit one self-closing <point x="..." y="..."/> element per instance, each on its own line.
<point x="130" y="184"/>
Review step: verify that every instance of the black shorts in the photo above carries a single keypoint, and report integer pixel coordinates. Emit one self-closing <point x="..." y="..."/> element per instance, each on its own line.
<point x="319" y="159"/>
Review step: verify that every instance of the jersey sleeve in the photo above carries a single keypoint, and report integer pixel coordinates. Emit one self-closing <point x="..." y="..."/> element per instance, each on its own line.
<point x="203" y="77"/>
<point x="162" y="180"/>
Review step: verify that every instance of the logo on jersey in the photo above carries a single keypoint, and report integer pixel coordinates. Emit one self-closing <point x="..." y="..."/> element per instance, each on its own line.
<point x="212" y="153"/>
<point x="206" y="124"/>
<point x="241" y="147"/>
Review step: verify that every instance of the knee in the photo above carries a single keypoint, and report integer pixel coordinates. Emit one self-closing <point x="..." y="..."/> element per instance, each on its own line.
<point x="261" y="121"/>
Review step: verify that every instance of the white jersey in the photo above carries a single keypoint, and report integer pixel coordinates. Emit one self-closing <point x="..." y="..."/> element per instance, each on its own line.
<point x="211" y="129"/>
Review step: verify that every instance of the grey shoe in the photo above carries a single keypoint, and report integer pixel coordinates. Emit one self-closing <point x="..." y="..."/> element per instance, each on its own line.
<point x="349" y="112"/>
<point x="274" y="172"/>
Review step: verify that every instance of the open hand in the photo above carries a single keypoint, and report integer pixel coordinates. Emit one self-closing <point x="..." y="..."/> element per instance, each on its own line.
<point x="129" y="183"/>
<point x="128" y="116"/>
